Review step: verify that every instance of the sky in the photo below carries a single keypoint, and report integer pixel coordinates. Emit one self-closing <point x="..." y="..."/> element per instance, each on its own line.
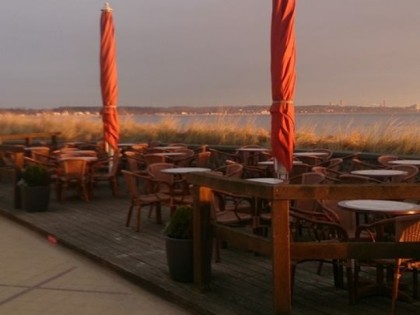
<point x="208" y="52"/>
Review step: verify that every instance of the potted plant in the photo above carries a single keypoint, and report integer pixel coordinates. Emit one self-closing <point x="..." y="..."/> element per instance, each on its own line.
<point x="35" y="188"/>
<point x="179" y="244"/>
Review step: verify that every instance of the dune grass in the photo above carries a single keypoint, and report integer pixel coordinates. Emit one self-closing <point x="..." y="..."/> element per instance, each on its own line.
<point x="392" y="139"/>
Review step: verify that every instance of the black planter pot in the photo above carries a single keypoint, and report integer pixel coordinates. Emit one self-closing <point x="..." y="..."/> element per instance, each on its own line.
<point x="179" y="254"/>
<point x="35" y="198"/>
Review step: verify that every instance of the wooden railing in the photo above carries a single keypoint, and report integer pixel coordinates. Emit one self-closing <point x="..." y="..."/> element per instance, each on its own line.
<point x="279" y="246"/>
<point x="28" y="138"/>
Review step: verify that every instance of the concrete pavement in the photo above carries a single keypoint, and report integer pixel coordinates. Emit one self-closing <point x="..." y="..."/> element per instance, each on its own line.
<point x="39" y="277"/>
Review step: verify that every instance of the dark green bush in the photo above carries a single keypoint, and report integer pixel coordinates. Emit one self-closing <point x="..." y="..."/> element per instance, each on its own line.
<point x="180" y="224"/>
<point x="36" y="175"/>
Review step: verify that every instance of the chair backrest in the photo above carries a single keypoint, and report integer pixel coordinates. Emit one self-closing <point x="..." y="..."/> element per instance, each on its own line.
<point x="328" y="153"/>
<point x="335" y="164"/>
<point x="234" y="170"/>
<point x="356" y="179"/>
<point x="42" y="150"/>
<point x="154" y="170"/>
<point x="74" y="168"/>
<point x="309" y="178"/>
<point x="153" y="158"/>
<point x="131" y="183"/>
<point x="133" y="161"/>
<point x="358" y="164"/>
<point x="311" y="160"/>
<point x="407" y="228"/>
<point x="385" y="159"/>
<point x="299" y="169"/>
<point x="203" y="158"/>
<point x="411" y="170"/>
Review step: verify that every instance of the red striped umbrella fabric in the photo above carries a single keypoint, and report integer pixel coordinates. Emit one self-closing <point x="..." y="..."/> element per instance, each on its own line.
<point x="109" y="80"/>
<point x="283" y="80"/>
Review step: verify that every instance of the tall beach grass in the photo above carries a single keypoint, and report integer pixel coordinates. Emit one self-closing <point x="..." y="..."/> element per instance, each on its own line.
<point x="228" y="130"/>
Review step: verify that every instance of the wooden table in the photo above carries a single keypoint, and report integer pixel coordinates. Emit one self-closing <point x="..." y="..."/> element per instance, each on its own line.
<point x="266" y="180"/>
<point x="387" y="207"/>
<point x="380" y="173"/>
<point x="405" y="162"/>
<point x="382" y="207"/>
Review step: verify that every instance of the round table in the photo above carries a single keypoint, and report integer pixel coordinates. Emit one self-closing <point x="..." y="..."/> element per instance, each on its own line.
<point x="405" y="162"/>
<point x="266" y="180"/>
<point x="388" y="207"/>
<point x="379" y="173"/>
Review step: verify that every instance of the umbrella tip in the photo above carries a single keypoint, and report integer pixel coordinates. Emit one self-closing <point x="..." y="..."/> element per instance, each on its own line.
<point x="107" y="7"/>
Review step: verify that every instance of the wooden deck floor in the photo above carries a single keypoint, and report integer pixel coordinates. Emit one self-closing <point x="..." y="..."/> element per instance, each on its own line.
<point x="241" y="283"/>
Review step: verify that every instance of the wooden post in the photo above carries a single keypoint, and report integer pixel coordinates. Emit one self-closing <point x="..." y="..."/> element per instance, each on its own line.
<point x="281" y="258"/>
<point x="202" y="238"/>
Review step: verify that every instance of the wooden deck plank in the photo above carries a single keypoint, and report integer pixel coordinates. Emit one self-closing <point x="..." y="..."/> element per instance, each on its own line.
<point x="241" y="283"/>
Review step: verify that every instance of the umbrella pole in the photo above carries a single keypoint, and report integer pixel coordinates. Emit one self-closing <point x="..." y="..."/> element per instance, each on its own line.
<point x="110" y="151"/>
<point x="280" y="171"/>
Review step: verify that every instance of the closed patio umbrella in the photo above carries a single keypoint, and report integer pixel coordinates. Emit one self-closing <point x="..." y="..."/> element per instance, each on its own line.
<point x="109" y="81"/>
<point x="283" y="79"/>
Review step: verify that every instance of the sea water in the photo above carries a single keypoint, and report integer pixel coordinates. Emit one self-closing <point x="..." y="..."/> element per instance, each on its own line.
<point x="322" y="124"/>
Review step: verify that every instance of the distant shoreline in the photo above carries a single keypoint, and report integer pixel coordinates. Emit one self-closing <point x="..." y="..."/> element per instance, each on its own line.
<point x="216" y="110"/>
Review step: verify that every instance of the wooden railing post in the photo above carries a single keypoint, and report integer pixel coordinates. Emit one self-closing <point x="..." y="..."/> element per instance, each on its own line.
<point x="282" y="283"/>
<point x="203" y="238"/>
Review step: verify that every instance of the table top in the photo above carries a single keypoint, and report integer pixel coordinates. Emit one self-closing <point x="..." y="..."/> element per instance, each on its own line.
<point x="167" y="153"/>
<point x="405" y="162"/>
<point x="380" y="206"/>
<point x="266" y="180"/>
<point x="271" y="162"/>
<point x="126" y="144"/>
<point x="34" y="148"/>
<point x="184" y="170"/>
<point x="86" y="158"/>
<point x="309" y="153"/>
<point x="253" y="149"/>
<point x="379" y="173"/>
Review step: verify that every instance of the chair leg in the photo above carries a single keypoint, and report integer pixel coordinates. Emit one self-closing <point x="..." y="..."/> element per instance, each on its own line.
<point x="138" y="218"/>
<point x="397" y="276"/>
<point x="130" y="211"/>
<point x="415" y="283"/>
<point x="158" y="213"/>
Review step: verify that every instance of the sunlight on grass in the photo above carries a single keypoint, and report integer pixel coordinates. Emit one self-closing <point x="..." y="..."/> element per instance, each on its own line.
<point x="395" y="138"/>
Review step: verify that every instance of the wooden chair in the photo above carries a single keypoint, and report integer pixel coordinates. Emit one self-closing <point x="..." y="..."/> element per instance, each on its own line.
<point x="411" y="170"/>
<point x="385" y="159"/>
<point x="315" y="227"/>
<point x="357" y="179"/>
<point x="151" y="158"/>
<point x="106" y="171"/>
<point x="183" y="160"/>
<point x="135" y="161"/>
<point x="228" y="213"/>
<point x="177" y="189"/>
<point x="397" y="229"/>
<point x="311" y="160"/>
<point x="358" y="164"/>
<point x="297" y="170"/>
<point x="328" y="153"/>
<point x="203" y="159"/>
<point x="72" y="172"/>
<point x="142" y="195"/>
